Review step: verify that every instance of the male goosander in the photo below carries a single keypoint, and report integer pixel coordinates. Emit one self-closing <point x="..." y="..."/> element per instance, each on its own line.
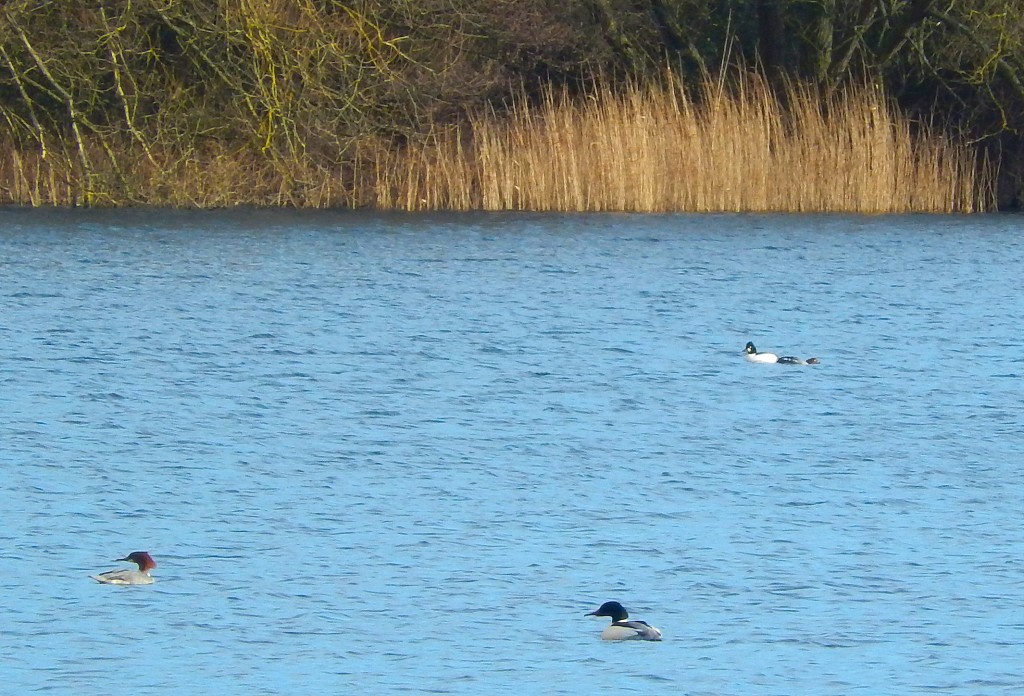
<point x="620" y="628"/>
<point x="753" y="356"/>
<point x="130" y="577"/>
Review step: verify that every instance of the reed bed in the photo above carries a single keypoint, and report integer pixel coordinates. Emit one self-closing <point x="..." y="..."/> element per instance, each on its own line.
<point x="213" y="175"/>
<point x="664" y="149"/>
<point x="647" y="149"/>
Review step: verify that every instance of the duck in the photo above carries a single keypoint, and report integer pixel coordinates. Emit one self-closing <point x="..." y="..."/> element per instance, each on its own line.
<point x="789" y="360"/>
<point x="620" y="628"/>
<point x="753" y="356"/>
<point x="130" y="577"/>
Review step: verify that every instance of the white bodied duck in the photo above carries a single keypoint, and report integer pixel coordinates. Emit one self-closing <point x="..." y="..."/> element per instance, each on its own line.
<point x="130" y="577"/>
<point x="753" y="356"/>
<point x="620" y="628"/>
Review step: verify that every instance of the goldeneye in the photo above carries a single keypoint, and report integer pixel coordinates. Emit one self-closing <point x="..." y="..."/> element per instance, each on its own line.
<point x="753" y="356"/>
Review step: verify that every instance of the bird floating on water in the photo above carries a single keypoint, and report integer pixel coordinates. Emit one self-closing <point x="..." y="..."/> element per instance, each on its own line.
<point x="622" y="629"/>
<point x="753" y="356"/>
<point x="130" y="577"/>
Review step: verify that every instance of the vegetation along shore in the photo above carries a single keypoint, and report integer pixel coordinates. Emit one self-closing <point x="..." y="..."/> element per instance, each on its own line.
<point x="634" y="105"/>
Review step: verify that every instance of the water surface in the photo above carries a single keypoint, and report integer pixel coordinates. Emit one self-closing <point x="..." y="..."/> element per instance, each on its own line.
<point x="406" y="454"/>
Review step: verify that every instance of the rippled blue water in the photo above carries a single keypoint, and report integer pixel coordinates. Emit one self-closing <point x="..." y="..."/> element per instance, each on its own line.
<point x="391" y="454"/>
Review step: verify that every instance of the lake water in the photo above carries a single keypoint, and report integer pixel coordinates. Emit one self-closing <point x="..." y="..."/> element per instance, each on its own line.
<point x="407" y="454"/>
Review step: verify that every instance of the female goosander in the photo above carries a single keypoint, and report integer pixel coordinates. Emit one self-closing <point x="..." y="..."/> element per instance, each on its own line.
<point x="130" y="577"/>
<point x="620" y="628"/>
<point x="753" y="356"/>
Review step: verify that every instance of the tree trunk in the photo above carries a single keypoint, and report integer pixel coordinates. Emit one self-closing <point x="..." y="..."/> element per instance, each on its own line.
<point x="821" y="37"/>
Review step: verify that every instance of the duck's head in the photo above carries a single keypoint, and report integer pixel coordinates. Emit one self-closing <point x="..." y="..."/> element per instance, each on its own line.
<point x="616" y="611"/>
<point x="140" y="558"/>
<point x="750" y="349"/>
<point x="813" y="361"/>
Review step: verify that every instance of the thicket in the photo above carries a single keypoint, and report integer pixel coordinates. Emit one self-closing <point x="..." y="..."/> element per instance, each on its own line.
<point x="298" y="102"/>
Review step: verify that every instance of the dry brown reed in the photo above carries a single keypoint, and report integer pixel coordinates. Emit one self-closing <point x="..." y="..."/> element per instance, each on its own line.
<point x="211" y="175"/>
<point x="655" y="149"/>
<point x="649" y="149"/>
